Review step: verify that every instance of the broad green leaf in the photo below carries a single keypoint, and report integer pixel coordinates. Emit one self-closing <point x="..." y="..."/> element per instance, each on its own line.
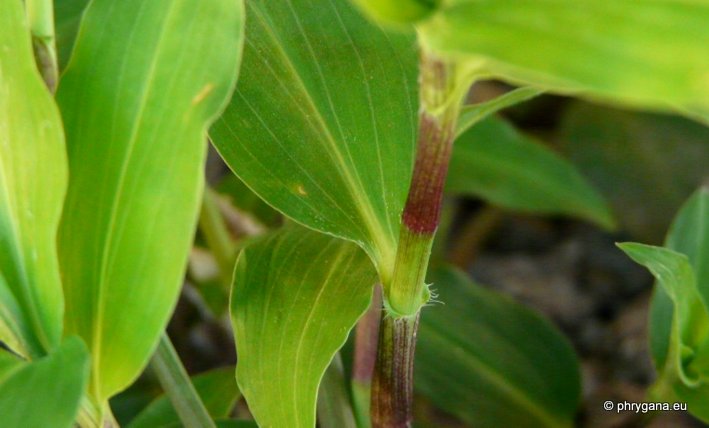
<point x="642" y="52"/>
<point x="496" y="162"/>
<point x="323" y="122"/>
<point x="217" y="389"/>
<point x="67" y="16"/>
<point x="46" y="392"/>
<point x="33" y="177"/>
<point x="296" y="296"/>
<point x="491" y="361"/>
<point x="628" y="157"/>
<point x="688" y="235"/>
<point x="471" y="114"/>
<point x="145" y="81"/>
<point x="686" y="368"/>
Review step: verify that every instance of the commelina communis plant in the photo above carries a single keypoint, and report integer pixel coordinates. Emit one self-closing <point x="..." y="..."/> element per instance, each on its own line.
<point x="351" y="120"/>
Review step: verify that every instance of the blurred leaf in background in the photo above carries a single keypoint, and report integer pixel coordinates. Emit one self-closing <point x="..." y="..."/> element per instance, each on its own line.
<point x="245" y="200"/>
<point x="645" y="164"/>
<point x="217" y="389"/>
<point x="508" y="169"/>
<point x="492" y="362"/>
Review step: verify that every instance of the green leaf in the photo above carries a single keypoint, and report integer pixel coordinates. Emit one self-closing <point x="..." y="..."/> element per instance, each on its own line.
<point x="397" y="11"/>
<point x="688" y="235"/>
<point x="67" y="16"/>
<point x="46" y="392"/>
<point x="471" y="114"/>
<point x="628" y="157"/>
<point x="145" y="81"/>
<point x="641" y="52"/>
<point x="296" y="296"/>
<point x="323" y="123"/>
<point x="496" y="162"/>
<point x="33" y="177"/>
<point x="217" y="389"/>
<point x="686" y="364"/>
<point x="492" y="362"/>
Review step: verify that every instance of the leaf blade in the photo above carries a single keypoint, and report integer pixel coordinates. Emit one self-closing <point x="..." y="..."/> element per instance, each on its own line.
<point x="686" y="363"/>
<point x="496" y="162"/>
<point x="289" y="320"/>
<point x="689" y="235"/>
<point x="459" y="368"/>
<point x="217" y="388"/>
<point x="470" y="115"/>
<point x="164" y="77"/>
<point x="56" y="381"/>
<point x="33" y="178"/>
<point x="645" y="53"/>
<point x="347" y="89"/>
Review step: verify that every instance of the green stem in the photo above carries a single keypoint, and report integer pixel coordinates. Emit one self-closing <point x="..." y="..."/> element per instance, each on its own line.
<point x="40" y="14"/>
<point x="334" y="406"/>
<point x="217" y="235"/>
<point x="442" y="88"/>
<point x="178" y="387"/>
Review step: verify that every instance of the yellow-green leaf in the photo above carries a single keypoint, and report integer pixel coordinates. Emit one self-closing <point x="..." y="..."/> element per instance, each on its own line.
<point x="323" y="122"/>
<point x="33" y="176"/>
<point x="296" y="296"/>
<point x="146" y="79"/>
<point x="642" y="52"/>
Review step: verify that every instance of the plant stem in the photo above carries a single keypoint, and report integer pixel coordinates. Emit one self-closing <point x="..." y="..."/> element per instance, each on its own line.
<point x="40" y="14"/>
<point x="178" y="387"/>
<point x="334" y="407"/>
<point x="365" y="356"/>
<point x="217" y="235"/>
<point x="393" y="387"/>
<point x="442" y="89"/>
